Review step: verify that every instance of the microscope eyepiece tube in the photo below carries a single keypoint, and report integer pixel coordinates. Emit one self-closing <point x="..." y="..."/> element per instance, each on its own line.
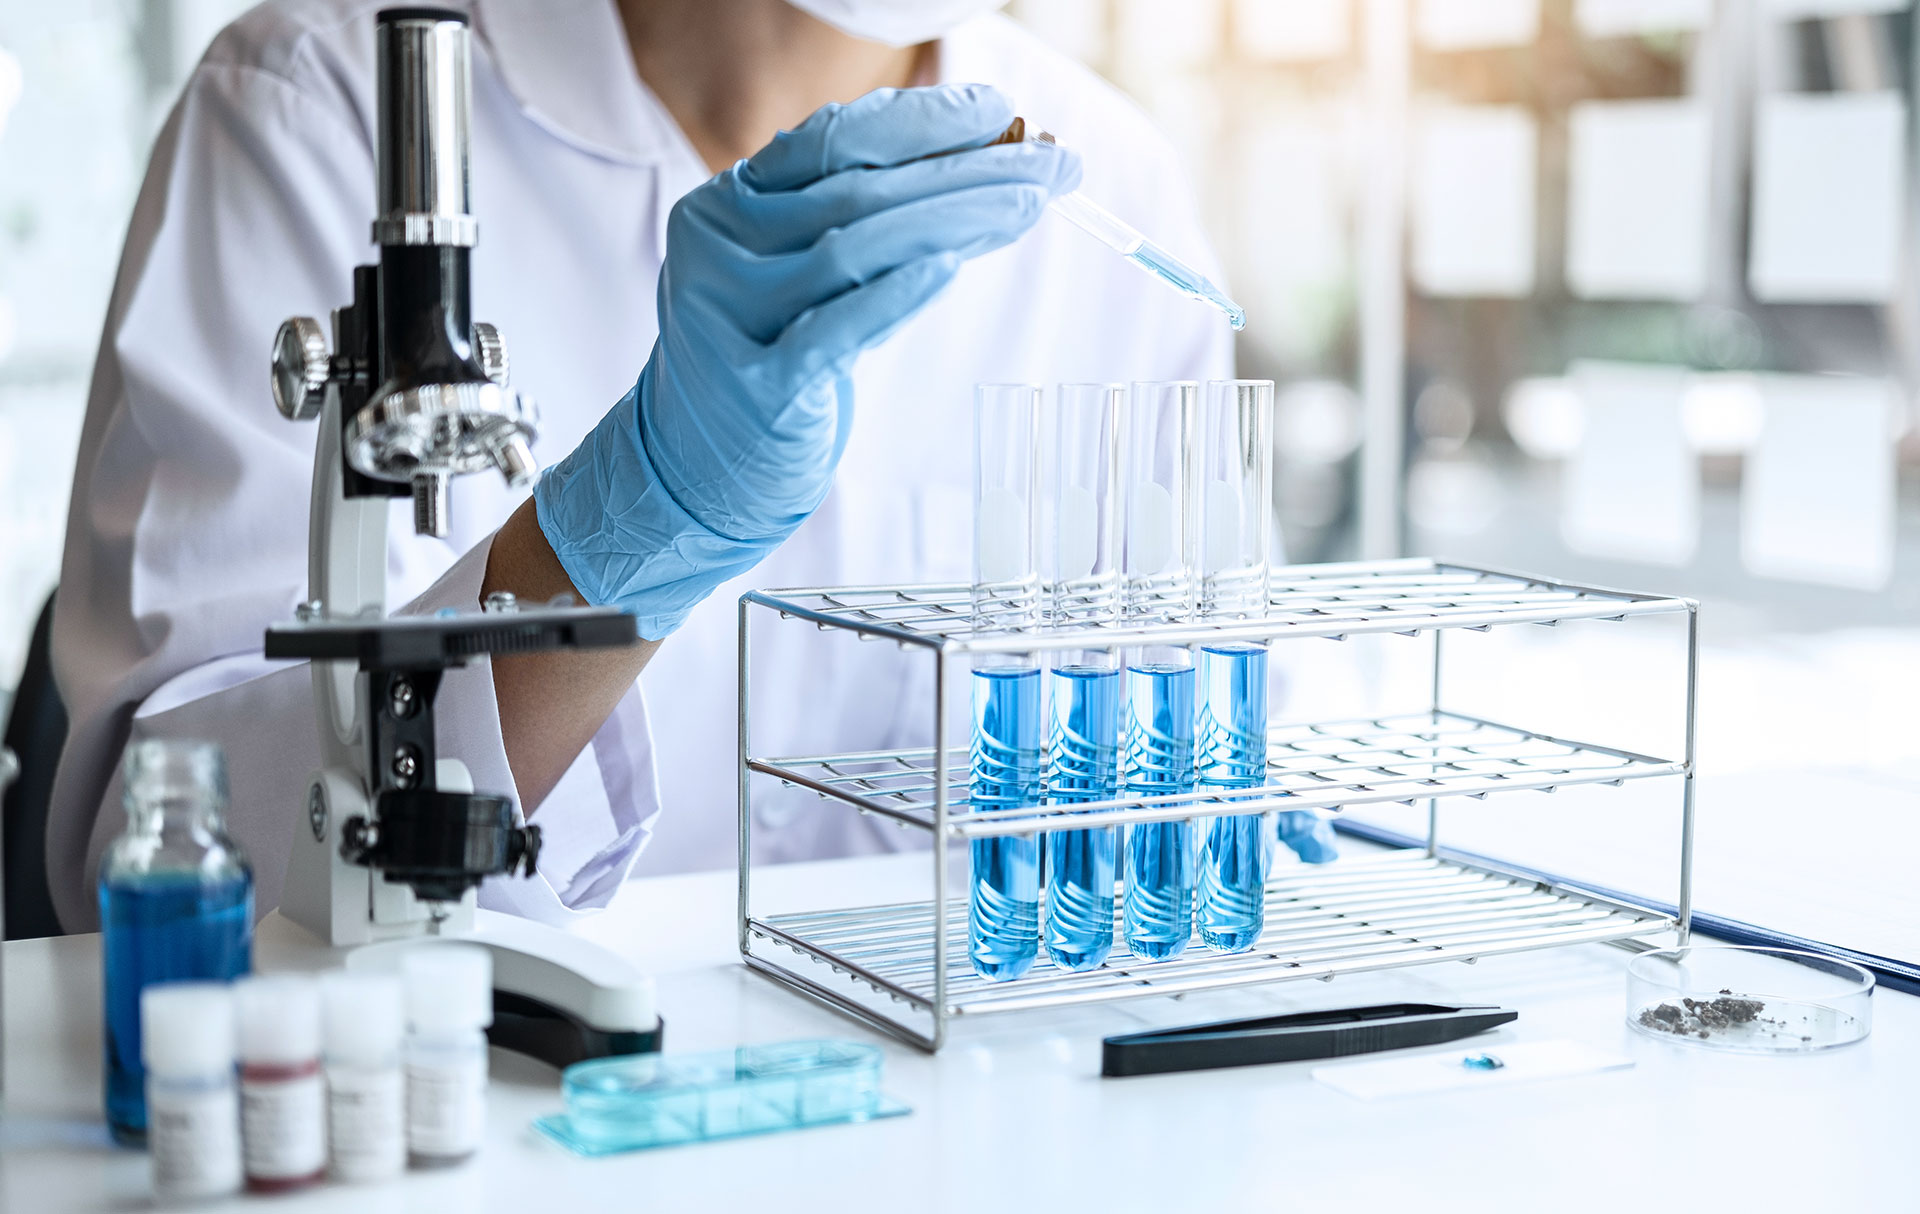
<point x="423" y="75"/>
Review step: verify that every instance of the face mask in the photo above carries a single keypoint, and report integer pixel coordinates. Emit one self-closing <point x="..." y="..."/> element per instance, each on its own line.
<point x="895" y="22"/>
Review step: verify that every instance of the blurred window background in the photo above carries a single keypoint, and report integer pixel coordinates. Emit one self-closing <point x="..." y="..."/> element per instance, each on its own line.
<point x="84" y="88"/>
<point x="1622" y="291"/>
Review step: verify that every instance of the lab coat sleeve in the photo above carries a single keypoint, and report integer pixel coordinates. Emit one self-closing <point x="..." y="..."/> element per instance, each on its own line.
<point x="187" y="533"/>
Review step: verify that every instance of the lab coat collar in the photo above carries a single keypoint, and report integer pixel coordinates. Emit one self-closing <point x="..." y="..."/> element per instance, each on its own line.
<point x="568" y="64"/>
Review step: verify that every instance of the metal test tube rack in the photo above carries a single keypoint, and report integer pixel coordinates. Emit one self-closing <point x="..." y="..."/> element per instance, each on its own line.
<point x="903" y="968"/>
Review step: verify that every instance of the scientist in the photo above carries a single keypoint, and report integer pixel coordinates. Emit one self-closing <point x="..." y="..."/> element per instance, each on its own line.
<point x="806" y="317"/>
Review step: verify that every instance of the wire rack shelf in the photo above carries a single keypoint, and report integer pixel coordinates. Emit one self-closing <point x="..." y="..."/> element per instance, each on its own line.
<point x="904" y="968"/>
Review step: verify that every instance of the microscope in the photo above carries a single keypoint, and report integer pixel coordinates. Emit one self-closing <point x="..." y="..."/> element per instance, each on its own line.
<point x="395" y="839"/>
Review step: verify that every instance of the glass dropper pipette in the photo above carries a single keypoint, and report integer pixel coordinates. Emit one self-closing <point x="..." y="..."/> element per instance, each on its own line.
<point x="1123" y="238"/>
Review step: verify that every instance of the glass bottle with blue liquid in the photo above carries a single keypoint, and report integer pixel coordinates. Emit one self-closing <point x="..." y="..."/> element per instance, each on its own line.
<point x="176" y="903"/>
<point x="1007" y="752"/>
<point x="1234" y="490"/>
<point x="1085" y="689"/>
<point x="1157" y="559"/>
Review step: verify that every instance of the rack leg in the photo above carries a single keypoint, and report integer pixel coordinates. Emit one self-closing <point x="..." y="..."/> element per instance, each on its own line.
<point x="1433" y="803"/>
<point x="744" y="828"/>
<point x="940" y="782"/>
<point x="1685" y="903"/>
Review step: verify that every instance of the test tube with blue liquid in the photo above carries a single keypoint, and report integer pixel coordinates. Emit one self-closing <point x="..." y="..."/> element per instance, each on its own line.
<point x="1157" y="560"/>
<point x="1234" y="485"/>
<point x="1007" y="770"/>
<point x="1083" y="737"/>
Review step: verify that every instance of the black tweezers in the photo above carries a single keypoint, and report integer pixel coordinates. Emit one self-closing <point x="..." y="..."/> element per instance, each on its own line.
<point x="1303" y="1035"/>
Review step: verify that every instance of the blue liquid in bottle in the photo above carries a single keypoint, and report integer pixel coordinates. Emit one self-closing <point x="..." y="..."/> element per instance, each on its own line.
<point x="1004" y="908"/>
<point x="162" y="927"/>
<point x="1233" y="754"/>
<point x="1084" y="746"/>
<point x="1160" y="855"/>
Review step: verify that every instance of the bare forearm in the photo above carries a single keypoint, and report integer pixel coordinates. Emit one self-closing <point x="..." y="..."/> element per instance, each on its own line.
<point x="551" y="704"/>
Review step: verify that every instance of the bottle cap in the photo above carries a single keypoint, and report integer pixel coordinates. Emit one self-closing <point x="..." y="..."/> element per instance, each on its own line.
<point x="362" y="1015"/>
<point x="449" y="987"/>
<point x="186" y="1028"/>
<point x="279" y="1019"/>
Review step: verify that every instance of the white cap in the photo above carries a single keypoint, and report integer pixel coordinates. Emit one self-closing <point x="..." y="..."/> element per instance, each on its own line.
<point x="362" y="1014"/>
<point x="186" y="1028"/>
<point x="279" y="1018"/>
<point x="449" y="987"/>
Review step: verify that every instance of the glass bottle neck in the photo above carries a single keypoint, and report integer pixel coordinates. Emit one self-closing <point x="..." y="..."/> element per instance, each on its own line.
<point x="162" y="816"/>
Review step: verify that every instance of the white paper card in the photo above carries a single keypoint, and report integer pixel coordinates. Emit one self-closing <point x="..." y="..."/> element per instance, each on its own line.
<point x="1286" y="31"/>
<point x="1828" y="194"/>
<point x="1422" y="1074"/>
<point x="1451" y="25"/>
<point x="1817" y="501"/>
<point x="1169" y="33"/>
<point x="1073" y="27"/>
<point x="1473" y="201"/>
<point x="1619" y="18"/>
<point x="1795" y="10"/>
<point x="1637" y="205"/>
<point x="1632" y="488"/>
<point x="1293" y="218"/>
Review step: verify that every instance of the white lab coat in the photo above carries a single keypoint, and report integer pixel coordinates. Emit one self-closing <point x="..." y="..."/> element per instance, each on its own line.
<point x="188" y="531"/>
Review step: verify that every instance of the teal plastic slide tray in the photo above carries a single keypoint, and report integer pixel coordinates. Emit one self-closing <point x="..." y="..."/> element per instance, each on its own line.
<point x="658" y="1100"/>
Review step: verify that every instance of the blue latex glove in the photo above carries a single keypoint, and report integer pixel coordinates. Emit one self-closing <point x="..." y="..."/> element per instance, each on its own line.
<point x="1309" y="835"/>
<point x="778" y="273"/>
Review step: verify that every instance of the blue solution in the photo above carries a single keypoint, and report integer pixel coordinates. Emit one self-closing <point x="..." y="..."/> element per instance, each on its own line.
<point x="1233" y="754"/>
<point x="1186" y="280"/>
<point x="1160" y="855"/>
<point x="1084" y="747"/>
<point x="162" y="927"/>
<point x="1004" y="906"/>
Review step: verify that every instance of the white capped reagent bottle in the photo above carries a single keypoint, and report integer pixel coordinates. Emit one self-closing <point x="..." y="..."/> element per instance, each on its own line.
<point x="449" y="996"/>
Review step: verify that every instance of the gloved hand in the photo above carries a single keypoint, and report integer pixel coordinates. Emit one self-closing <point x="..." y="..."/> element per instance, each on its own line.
<point x="1309" y="834"/>
<point x="778" y="273"/>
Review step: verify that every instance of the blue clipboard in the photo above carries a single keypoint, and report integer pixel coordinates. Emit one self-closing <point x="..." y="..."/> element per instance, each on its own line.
<point x="1899" y="975"/>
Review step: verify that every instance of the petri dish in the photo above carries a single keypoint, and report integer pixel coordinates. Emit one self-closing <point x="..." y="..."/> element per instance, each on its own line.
<point x="1749" y="1000"/>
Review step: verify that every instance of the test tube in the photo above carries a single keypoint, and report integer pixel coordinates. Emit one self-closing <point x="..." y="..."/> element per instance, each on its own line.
<point x="1158" y="561"/>
<point x="1235" y="460"/>
<point x="1007" y="772"/>
<point x="1083" y="739"/>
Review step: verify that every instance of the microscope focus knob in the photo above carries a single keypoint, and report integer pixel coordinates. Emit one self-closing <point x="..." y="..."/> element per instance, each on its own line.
<point x="492" y="349"/>
<point x="300" y="369"/>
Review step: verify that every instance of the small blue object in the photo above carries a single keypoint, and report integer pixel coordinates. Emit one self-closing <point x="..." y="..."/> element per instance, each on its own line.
<point x="657" y="1100"/>
<point x="1481" y="1062"/>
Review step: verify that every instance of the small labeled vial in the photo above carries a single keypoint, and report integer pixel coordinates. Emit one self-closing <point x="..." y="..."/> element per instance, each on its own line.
<point x="449" y="996"/>
<point x="364" y="1022"/>
<point x="282" y="1098"/>
<point x="193" y="1112"/>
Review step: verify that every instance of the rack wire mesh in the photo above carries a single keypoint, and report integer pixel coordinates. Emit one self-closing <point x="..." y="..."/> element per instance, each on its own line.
<point x="904" y="969"/>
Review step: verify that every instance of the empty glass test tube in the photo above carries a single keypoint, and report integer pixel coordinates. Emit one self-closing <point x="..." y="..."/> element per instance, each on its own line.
<point x="1083" y="736"/>
<point x="1158" y="559"/>
<point x="1007" y="770"/>
<point x="1234" y="461"/>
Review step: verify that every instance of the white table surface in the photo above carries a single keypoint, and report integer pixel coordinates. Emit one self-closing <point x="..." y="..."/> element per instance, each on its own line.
<point x="1013" y="1112"/>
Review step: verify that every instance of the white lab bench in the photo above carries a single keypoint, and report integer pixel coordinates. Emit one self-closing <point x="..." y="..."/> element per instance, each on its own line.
<point x="1012" y="1114"/>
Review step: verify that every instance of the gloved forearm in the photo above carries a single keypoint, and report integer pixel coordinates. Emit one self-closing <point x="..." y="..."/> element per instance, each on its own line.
<point x="778" y="274"/>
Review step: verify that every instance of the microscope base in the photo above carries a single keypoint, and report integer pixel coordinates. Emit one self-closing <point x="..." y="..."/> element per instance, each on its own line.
<point x="557" y="998"/>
